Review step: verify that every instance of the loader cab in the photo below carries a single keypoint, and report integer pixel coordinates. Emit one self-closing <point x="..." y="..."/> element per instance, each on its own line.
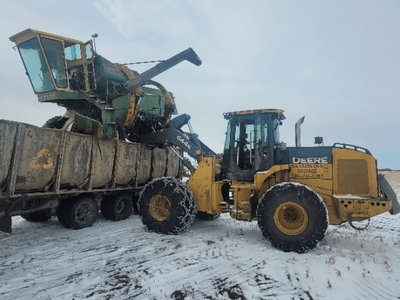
<point x="55" y="65"/>
<point x="250" y="142"/>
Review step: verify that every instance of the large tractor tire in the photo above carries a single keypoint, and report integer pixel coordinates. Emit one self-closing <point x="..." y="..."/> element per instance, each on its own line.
<point x="167" y="206"/>
<point x="82" y="212"/>
<point x="55" y="122"/>
<point x="292" y="217"/>
<point x="118" y="207"/>
<point x="38" y="216"/>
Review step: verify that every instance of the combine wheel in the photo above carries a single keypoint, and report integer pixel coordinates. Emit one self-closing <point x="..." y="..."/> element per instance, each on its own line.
<point x="117" y="208"/>
<point x="292" y="217"/>
<point x="167" y="206"/>
<point x="38" y="216"/>
<point x="82" y="213"/>
<point x="201" y="215"/>
<point x="55" y="122"/>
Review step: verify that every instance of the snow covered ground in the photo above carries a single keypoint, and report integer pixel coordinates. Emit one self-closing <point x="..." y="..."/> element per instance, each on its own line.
<point x="221" y="259"/>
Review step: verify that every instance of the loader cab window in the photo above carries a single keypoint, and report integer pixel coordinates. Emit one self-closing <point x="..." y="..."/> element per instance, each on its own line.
<point x="250" y="143"/>
<point x="245" y="144"/>
<point x="244" y="136"/>
<point x="275" y="125"/>
<point x="35" y="65"/>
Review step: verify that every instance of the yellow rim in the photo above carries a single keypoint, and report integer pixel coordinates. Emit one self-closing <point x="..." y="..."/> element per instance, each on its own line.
<point x="159" y="207"/>
<point x="291" y="218"/>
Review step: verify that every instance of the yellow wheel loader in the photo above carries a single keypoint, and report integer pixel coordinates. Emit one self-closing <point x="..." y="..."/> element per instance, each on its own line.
<point x="292" y="192"/>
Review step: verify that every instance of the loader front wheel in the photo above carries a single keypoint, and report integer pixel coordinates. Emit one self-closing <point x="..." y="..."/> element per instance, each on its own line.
<point x="292" y="217"/>
<point x="166" y="206"/>
<point x="82" y="213"/>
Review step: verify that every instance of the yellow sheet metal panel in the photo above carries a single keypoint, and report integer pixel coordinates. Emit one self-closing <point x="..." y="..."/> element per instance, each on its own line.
<point x="29" y="33"/>
<point x="355" y="173"/>
<point x="247" y="112"/>
<point x="204" y="188"/>
<point x="242" y="192"/>
<point x="310" y="172"/>
<point x="358" y="209"/>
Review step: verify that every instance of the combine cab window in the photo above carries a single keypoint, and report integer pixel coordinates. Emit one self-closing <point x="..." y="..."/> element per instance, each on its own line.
<point x="55" y="56"/>
<point x="35" y="66"/>
<point x="73" y="52"/>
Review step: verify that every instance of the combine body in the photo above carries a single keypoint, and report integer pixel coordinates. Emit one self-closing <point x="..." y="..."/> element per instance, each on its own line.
<point x="97" y="94"/>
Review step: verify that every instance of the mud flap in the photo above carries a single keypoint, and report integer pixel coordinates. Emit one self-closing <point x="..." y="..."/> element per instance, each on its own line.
<point x="5" y="224"/>
<point x="390" y="194"/>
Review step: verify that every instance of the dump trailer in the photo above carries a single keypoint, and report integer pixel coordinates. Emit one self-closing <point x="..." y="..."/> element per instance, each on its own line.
<point x="46" y="172"/>
<point x="293" y="193"/>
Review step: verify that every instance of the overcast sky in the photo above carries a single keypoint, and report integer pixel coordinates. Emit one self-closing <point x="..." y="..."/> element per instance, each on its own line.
<point x="336" y="62"/>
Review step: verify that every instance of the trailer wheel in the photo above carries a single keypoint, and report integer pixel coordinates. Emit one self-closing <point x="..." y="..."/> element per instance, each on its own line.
<point x="167" y="206"/>
<point x="203" y="216"/>
<point x="63" y="212"/>
<point x="117" y="207"/>
<point x="38" y="216"/>
<point x="292" y="217"/>
<point x="82" y="213"/>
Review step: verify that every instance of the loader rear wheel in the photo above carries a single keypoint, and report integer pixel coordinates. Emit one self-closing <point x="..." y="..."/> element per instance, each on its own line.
<point x="38" y="216"/>
<point x="117" y="208"/>
<point x="82" y="213"/>
<point x="292" y="217"/>
<point x="167" y="206"/>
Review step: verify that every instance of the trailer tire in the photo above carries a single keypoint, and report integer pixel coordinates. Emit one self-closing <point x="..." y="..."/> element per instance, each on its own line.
<point x="292" y="217"/>
<point x="117" y="208"/>
<point x="203" y="216"/>
<point x="167" y="206"/>
<point x="38" y="216"/>
<point x="63" y="211"/>
<point x="82" y="213"/>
